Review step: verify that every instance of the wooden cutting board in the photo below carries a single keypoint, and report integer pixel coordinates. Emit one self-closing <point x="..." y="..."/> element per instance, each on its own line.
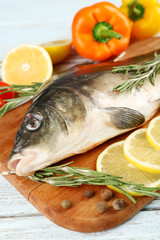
<point x="82" y="215"/>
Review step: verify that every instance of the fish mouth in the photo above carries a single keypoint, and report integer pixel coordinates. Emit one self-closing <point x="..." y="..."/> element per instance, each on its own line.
<point x="18" y="164"/>
<point x="28" y="161"/>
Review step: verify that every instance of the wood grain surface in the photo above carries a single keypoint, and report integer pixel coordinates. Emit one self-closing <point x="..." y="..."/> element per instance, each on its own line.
<point x="82" y="215"/>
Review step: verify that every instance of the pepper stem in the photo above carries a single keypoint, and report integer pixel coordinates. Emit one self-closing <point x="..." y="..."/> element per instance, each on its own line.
<point x="136" y="10"/>
<point x="102" y="32"/>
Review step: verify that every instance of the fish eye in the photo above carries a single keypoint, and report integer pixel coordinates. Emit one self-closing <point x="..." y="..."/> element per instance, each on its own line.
<point x="33" y="121"/>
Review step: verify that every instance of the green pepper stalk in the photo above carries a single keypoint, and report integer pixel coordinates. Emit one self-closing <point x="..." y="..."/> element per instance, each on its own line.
<point x="102" y="32"/>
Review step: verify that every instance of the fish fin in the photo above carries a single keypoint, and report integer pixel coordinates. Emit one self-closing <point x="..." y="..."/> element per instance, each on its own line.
<point x="125" y="118"/>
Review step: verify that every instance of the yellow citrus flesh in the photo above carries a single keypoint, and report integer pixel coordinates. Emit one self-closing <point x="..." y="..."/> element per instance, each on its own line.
<point x="113" y="162"/>
<point x="26" y="64"/>
<point x="153" y="133"/>
<point x="58" y="50"/>
<point x="139" y="152"/>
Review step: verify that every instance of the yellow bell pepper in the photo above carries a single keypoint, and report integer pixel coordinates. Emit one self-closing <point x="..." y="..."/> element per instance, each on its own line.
<point x="145" y="15"/>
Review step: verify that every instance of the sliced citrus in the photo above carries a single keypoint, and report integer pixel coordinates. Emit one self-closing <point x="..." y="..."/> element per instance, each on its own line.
<point x="26" y="64"/>
<point x="153" y="133"/>
<point x="113" y="162"/>
<point x="58" y="50"/>
<point x="140" y="153"/>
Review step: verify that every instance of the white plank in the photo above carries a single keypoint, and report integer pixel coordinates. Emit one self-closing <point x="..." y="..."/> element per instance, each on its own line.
<point x="12" y="203"/>
<point x="22" y="10"/>
<point x="35" y="33"/>
<point x="154" y="205"/>
<point x="144" y="225"/>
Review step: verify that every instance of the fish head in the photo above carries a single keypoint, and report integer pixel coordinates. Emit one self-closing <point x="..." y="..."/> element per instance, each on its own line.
<point x="34" y="141"/>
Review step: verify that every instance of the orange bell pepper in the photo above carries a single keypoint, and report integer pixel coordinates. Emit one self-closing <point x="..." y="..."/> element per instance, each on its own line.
<point x="100" y="31"/>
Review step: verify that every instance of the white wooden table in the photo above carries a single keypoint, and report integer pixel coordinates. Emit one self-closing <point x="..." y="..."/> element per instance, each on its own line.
<point x="38" y="21"/>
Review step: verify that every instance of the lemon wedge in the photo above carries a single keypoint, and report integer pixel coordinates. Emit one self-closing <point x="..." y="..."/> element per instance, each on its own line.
<point x="112" y="161"/>
<point x="153" y="133"/>
<point x="140" y="153"/>
<point x="58" y="50"/>
<point x="25" y="64"/>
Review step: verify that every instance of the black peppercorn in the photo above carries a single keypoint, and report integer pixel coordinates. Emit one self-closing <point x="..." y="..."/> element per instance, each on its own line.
<point x="101" y="207"/>
<point x="66" y="203"/>
<point x="88" y="193"/>
<point x="118" y="204"/>
<point x="106" y="194"/>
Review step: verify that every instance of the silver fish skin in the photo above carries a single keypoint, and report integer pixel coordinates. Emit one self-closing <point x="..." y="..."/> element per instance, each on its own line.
<point x="78" y="110"/>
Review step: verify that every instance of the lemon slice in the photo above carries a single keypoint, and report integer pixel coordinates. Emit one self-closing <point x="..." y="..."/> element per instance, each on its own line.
<point x="113" y="162"/>
<point x="58" y="50"/>
<point x="26" y="64"/>
<point x="140" y="153"/>
<point x="153" y="133"/>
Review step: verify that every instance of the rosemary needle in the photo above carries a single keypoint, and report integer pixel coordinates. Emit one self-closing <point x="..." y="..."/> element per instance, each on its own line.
<point x="75" y="176"/>
<point x="137" y="74"/>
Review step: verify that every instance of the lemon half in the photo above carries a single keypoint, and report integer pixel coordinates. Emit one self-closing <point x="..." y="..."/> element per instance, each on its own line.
<point x="58" y="50"/>
<point x="25" y="64"/>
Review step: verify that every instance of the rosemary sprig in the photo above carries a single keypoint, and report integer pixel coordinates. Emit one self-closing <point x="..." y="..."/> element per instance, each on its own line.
<point x="25" y="93"/>
<point x="63" y="175"/>
<point x="137" y="74"/>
